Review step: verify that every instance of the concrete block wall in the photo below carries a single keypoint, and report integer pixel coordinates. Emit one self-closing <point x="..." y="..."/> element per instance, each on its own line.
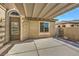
<point x="72" y="33"/>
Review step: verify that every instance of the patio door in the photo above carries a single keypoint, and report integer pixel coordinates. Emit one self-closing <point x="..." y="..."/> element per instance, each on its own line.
<point x="14" y="28"/>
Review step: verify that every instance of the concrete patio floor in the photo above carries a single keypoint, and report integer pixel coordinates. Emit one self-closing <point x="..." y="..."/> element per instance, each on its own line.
<point x="43" y="47"/>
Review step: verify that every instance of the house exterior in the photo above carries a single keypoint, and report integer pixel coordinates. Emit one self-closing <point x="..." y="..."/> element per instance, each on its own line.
<point x="23" y="21"/>
<point x="14" y="26"/>
<point x="72" y="23"/>
<point x="71" y="29"/>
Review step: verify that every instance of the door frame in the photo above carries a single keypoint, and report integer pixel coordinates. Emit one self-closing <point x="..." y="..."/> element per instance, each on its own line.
<point x="10" y="27"/>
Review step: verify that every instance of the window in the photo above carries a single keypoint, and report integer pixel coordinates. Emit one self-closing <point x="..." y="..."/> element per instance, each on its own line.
<point x="72" y="25"/>
<point x="63" y="26"/>
<point x="44" y="27"/>
<point x="13" y="13"/>
<point x="77" y="25"/>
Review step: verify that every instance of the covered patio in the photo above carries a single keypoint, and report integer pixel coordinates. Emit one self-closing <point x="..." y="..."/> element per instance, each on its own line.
<point x="33" y="25"/>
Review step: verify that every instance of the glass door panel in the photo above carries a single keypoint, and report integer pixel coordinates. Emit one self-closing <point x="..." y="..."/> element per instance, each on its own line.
<point x="15" y="29"/>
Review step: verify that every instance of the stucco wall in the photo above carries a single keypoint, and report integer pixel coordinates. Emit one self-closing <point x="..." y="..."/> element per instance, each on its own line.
<point x="35" y="30"/>
<point x="24" y="29"/>
<point x="72" y="33"/>
<point x="52" y="28"/>
<point x="31" y="29"/>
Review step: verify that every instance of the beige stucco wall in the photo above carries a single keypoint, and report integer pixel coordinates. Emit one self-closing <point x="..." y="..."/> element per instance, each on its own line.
<point x="24" y="29"/>
<point x="31" y="29"/>
<point x="72" y="33"/>
<point x="52" y="28"/>
<point x="35" y="30"/>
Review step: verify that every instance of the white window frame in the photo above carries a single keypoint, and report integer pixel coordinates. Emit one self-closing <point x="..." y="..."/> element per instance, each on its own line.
<point x="45" y="33"/>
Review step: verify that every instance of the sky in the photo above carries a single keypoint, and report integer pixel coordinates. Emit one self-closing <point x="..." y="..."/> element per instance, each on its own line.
<point x="71" y="15"/>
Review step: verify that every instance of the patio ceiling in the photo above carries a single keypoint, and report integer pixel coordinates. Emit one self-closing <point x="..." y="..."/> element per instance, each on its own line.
<point x="41" y="10"/>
